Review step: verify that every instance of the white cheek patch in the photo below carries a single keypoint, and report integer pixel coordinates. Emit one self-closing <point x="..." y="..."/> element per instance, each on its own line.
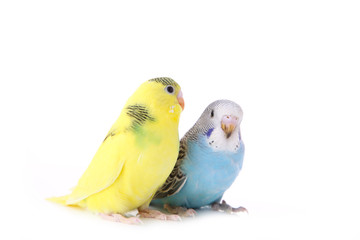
<point x="172" y="109"/>
<point x="218" y="141"/>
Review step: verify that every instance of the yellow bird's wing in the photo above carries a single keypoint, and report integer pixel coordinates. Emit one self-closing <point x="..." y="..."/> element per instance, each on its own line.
<point x="103" y="170"/>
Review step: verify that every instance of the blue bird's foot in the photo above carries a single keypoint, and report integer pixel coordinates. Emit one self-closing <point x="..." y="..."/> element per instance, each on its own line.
<point x="223" y="206"/>
<point x="150" y="213"/>
<point x="181" y="211"/>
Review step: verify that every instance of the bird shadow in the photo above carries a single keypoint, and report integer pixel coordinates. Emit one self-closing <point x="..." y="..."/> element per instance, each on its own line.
<point x="201" y="213"/>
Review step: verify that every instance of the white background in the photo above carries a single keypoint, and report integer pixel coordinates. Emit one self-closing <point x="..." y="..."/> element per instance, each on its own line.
<point x="67" y="68"/>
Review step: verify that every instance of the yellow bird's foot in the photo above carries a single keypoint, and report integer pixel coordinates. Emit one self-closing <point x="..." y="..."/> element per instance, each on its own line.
<point x="181" y="211"/>
<point x="223" y="206"/>
<point x="120" y="218"/>
<point x="150" y="213"/>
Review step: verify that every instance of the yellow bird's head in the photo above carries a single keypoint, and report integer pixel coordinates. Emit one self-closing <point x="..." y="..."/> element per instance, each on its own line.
<point x="166" y="92"/>
<point x="162" y="96"/>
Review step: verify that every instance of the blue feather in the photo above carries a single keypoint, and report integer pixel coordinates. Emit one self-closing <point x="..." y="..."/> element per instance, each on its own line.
<point x="209" y="174"/>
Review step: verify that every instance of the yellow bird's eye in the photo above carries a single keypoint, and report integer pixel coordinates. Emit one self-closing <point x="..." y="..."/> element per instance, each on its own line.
<point x="169" y="89"/>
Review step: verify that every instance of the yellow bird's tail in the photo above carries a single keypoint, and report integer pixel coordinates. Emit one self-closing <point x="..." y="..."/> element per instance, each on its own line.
<point x="60" y="200"/>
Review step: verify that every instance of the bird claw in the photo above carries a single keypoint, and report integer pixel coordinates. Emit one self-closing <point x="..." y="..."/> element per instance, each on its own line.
<point x="120" y="218"/>
<point x="184" y="212"/>
<point x="240" y="209"/>
<point x="150" y="213"/>
<point x="190" y="213"/>
<point x="223" y="206"/>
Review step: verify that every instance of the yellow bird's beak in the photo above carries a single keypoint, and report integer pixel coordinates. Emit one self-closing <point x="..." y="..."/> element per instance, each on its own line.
<point x="181" y="100"/>
<point x="228" y="124"/>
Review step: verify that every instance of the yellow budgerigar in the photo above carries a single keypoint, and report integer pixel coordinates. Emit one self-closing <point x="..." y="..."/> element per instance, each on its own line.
<point x="136" y="156"/>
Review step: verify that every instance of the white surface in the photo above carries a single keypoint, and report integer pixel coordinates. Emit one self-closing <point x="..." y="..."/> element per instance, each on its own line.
<point x="67" y="69"/>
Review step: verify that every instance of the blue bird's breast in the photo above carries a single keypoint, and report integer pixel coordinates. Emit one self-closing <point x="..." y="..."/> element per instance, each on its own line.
<point x="209" y="174"/>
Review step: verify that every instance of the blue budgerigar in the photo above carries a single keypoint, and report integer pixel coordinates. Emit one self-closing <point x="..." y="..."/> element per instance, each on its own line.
<point x="210" y="158"/>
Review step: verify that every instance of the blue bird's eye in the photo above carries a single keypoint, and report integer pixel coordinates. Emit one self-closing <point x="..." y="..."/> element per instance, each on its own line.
<point x="212" y="113"/>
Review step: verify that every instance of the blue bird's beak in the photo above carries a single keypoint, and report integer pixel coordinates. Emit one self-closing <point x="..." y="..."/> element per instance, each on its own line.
<point x="228" y="124"/>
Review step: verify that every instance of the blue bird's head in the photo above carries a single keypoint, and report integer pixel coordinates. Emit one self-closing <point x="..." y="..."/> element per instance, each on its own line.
<point x="219" y="125"/>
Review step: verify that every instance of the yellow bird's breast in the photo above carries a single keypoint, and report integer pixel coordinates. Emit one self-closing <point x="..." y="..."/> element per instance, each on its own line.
<point x="149" y="159"/>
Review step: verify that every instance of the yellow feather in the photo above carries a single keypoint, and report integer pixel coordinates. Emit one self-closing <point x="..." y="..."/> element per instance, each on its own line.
<point x="60" y="200"/>
<point x="136" y="156"/>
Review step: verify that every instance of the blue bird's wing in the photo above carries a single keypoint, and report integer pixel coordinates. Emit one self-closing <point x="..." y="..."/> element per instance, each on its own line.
<point x="176" y="179"/>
